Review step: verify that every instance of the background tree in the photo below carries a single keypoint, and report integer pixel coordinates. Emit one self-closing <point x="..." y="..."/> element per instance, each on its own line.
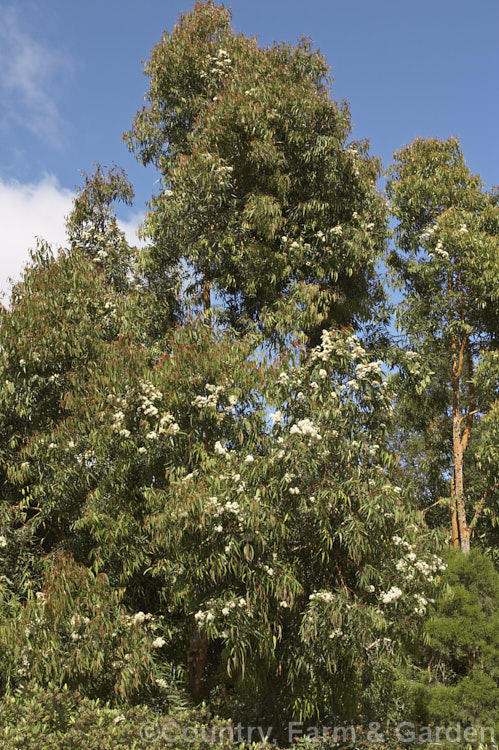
<point x="460" y="653"/>
<point x="64" y="316"/>
<point x="261" y="195"/>
<point x="448" y="266"/>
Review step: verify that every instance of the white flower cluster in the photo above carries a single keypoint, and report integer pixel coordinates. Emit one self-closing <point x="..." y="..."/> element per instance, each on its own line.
<point x="323" y="596"/>
<point x="149" y="393"/>
<point x="336" y="633"/>
<point x="222" y="61"/>
<point x="392" y="595"/>
<point x="421" y="602"/>
<point x="306" y="428"/>
<point x="214" y="506"/>
<point x="3" y="541"/>
<point x="326" y="348"/>
<point x="399" y="542"/>
<point x="207" y="616"/>
<point x="369" y="369"/>
<point x="167" y="425"/>
<point x="276" y="417"/>
<point x="140" y="617"/>
<point x="211" y="400"/>
<point x="220" y="450"/>
<point x="439" y="250"/>
<point x="428" y="232"/>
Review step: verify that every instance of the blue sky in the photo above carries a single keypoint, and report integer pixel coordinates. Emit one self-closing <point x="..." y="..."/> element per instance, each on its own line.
<point x="71" y="80"/>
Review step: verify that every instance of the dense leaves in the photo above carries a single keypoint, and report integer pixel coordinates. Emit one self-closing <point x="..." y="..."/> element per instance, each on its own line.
<point x="260" y="190"/>
<point x="448" y="268"/>
<point x="242" y="503"/>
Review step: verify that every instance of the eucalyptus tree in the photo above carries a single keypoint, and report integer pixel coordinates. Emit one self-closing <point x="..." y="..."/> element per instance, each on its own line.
<point x="63" y="314"/>
<point x="262" y="197"/>
<point x="268" y="554"/>
<point x="447" y="262"/>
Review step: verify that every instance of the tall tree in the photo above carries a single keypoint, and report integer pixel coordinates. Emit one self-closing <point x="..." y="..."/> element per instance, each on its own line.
<point x="261" y="195"/>
<point x="448" y="265"/>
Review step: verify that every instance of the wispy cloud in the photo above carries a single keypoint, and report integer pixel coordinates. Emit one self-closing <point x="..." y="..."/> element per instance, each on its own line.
<point x="29" y="211"/>
<point x="29" y="73"/>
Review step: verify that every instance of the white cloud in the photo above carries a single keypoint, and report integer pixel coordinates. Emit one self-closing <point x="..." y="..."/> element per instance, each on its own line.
<point x="29" y="71"/>
<point x="130" y="227"/>
<point x="28" y="211"/>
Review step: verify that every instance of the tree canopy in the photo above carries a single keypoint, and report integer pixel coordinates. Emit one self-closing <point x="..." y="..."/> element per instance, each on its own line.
<point x="221" y="494"/>
<point x="261" y="189"/>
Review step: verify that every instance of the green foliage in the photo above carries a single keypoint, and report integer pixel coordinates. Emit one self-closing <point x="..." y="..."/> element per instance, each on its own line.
<point x="183" y="517"/>
<point x="447" y="263"/>
<point x="462" y="648"/>
<point x="260" y="192"/>
<point x="57" y="718"/>
<point x="76" y="632"/>
<point x="272" y="544"/>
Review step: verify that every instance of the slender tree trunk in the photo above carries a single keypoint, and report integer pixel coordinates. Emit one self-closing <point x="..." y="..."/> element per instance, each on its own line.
<point x="455" y="529"/>
<point x="196" y="659"/>
<point x="206" y="298"/>
<point x="457" y="446"/>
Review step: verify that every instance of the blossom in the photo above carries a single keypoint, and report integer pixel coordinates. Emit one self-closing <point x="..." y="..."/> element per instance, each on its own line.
<point x="158" y="642"/>
<point x="3" y="541"/>
<point x="392" y="595"/>
<point x="249" y="459"/>
<point x="324" y="596"/>
<point x="142" y="449"/>
<point x="275" y="417"/>
<point x="219" y="449"/>
<point x="139" y="617"/>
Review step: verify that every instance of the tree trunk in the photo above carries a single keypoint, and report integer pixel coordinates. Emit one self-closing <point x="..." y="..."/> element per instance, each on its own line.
<point x="457" y="448"/>
<point x="206" y="298"/>
<point x="455" y="529"/>
<point x="196" y="659"/>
